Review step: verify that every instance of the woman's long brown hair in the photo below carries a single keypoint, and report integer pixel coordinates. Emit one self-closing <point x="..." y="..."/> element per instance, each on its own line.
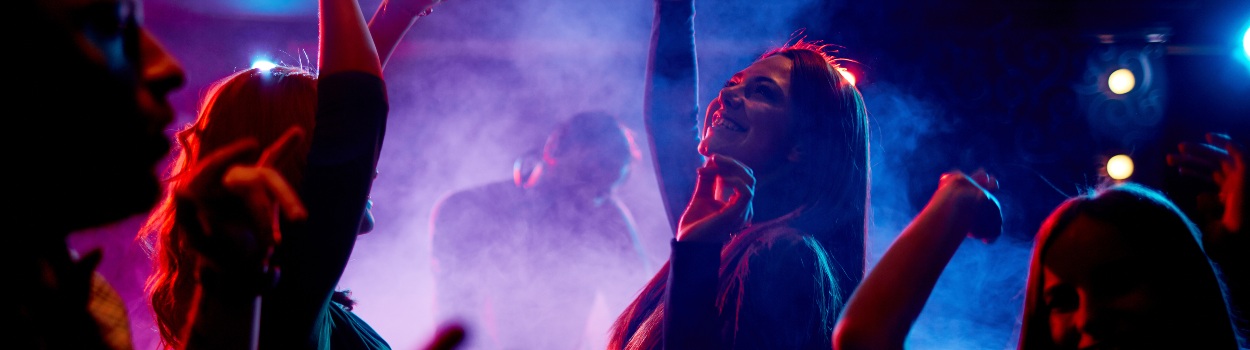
<point x="834" y="134"/>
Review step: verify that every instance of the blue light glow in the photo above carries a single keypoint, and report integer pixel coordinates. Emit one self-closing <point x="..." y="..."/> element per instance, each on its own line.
<point x="263" y="65"/>
<point x="1245" y="43"/>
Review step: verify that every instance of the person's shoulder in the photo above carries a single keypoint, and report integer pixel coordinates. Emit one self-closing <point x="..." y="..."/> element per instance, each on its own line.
<point x="489" y="195"/>
<point x="483" y="192"/>
<point x="349" y="78"/>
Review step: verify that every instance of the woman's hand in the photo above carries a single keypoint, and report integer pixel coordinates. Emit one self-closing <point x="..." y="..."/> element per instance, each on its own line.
<point x="712" y="219"/>
<point x="1220" y="162"/>
<point x="977" y="211"/>
<point x="236" y="206"/>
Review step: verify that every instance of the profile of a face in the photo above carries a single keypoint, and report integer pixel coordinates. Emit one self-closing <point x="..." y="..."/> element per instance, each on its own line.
<point x="1103" y="290"/>
<point x="750" y="120"/>
<point x="113" y="86"/>
<point x="109" y="32"/>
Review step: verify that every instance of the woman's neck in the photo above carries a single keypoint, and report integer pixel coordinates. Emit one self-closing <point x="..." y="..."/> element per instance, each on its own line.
<point x="776" y="194"/>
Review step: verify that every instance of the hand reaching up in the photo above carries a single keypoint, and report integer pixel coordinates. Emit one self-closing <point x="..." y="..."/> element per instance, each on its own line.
<point x="392" y="20"/>
<point x="883" y="308"/>
<point x="980" y="214"/>
<point x="1223" y="212"/>
<point x="238" y="204"/>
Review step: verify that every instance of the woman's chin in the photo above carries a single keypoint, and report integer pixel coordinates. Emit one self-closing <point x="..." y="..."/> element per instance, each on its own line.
<point x="711" y="146"/>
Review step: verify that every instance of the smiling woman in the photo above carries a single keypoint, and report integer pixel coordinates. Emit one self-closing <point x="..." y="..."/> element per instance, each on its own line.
<point x="750" y="119"/>
<point x="772" y="240"/>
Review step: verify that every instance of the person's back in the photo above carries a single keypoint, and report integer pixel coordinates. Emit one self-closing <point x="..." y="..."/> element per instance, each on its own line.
<point x="527" y="259"/>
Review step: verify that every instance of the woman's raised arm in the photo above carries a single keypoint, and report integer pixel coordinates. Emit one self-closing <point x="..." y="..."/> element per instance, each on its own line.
<point x="671" y="109"/>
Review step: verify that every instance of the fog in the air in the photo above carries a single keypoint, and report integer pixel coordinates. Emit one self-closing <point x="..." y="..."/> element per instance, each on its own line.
<point x="479" y="84"/>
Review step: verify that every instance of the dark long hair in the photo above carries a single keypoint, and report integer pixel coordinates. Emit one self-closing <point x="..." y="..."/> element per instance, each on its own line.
<point x="833" y="170"/>
<point x="1156" y="224"/>
<point x="831" y="125"/>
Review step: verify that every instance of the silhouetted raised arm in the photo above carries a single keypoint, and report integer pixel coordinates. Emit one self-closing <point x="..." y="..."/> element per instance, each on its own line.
<point x="671" y="109"/>
<point x="392" y="20"/>
<point x="345" y="43"/>
<point x="342" y="158"/>
<point x="1224" y="217"/>
<point x="884" y="307"/>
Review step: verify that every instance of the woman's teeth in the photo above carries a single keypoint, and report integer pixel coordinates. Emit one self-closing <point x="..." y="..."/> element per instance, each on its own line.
<point x="728" y="124"/>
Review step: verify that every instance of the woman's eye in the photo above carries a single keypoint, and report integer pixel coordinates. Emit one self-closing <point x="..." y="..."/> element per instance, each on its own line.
<point x="764" y="91"/>
<point x="729" y="83"/>
<point x="1061" y="299"/>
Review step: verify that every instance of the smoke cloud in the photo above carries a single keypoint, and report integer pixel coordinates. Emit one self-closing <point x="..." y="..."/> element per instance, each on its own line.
<point x="480" y="83"/>
<point x="977" y="302"/>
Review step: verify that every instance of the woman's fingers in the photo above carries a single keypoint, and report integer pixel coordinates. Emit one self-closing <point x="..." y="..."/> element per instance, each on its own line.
<point x="1205" y="162"/>
<point x="263" y="188"/>
<point x="1200" y="154"/>
<point x="212" y="167"/>
<point x="705" y="181"/>
<point x="703" y="202"/>
<point x="709" y="218"/>
<point x="281" y="147"/>
<point x="985" y="180"/>
<point x="1218" y="139"/>
<point x="244" y="183"/>
<point x="950" y="176"/>
<point x="984" y="214"/>
<point x="1234" y="157"/>
<point x="738" y="208"/>
<point x="737" y="212"/>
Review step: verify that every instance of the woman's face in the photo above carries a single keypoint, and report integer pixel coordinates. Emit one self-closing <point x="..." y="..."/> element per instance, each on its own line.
<point x="750" y="119"/>
<point x="1101" y="293"/>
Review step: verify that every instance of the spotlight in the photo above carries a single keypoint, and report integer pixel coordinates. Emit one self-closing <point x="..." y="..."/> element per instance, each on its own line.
<point x="1120" y="167"/>
<point x="263" y="65"/>
<point x="847" y="75"/>
<point x="1121" y="81"/>
<point x="1245" y="43"/>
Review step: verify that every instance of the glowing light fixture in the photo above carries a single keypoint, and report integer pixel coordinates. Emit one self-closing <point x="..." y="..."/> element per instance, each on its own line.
<point x="1120" y="167"/>
<point x="847" y="75"/>
<point x="1121" y="81"/>
<point x="263" y="65"/>
<point x="1245" y="43"/>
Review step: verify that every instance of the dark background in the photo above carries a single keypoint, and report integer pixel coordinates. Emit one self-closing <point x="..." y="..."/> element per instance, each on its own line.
<point x="1015" y="87"/>
<point x="1021" y="85"/>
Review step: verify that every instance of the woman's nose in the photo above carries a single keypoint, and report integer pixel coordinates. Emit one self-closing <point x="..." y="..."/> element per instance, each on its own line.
<point x="1091" y="320"/>
<point x="731" y="97"/>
